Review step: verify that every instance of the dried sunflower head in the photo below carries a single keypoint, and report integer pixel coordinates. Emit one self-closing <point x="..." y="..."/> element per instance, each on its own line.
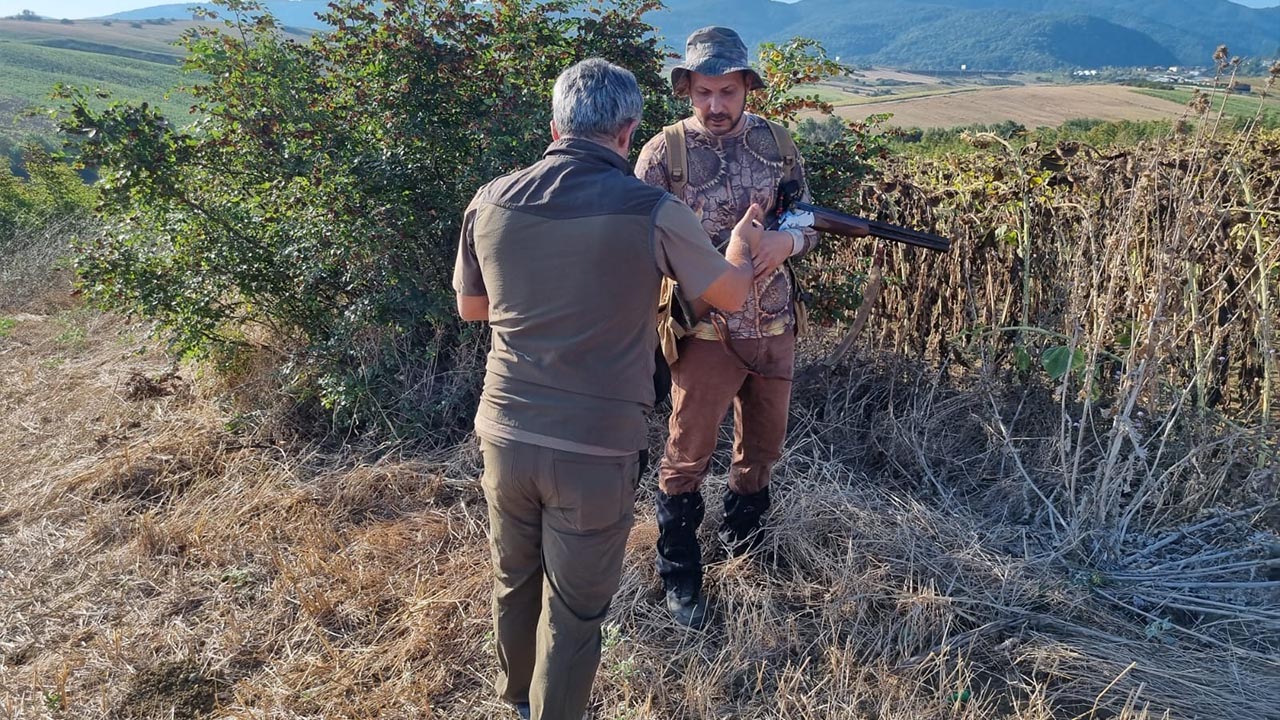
<point x="979" y="140"/>
<point x="1199" y="102"/>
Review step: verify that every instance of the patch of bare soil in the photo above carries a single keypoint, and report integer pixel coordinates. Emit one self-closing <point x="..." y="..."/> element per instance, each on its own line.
<point x="1031" y="105"/>
<point x="175" y="689"/>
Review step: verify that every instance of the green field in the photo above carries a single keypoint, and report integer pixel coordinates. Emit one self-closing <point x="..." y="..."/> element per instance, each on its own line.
<point x="146" y="37"/>
<point x="129" y="61"/>
<point x="136" y="64"/>
<point x="878" y="85"/>
<point x="1241" y="106"/>
<point x="31" y="71"/>
<point x="825" y="93"/>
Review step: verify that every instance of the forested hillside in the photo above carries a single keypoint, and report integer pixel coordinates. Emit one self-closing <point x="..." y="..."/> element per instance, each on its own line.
<point x="982" y="34"/>
<point x="997" y="34"/>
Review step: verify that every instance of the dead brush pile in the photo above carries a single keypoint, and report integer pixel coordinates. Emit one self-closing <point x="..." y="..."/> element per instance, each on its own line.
<point x="1037" y="490"/>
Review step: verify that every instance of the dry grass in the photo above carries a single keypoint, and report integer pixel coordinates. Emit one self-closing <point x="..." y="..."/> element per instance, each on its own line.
<point x="34" y="273"/>
<point x="155" y="559"/>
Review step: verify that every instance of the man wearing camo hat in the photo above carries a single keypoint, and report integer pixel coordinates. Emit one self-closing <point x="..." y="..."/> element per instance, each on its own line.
<point x="720" y="161"/>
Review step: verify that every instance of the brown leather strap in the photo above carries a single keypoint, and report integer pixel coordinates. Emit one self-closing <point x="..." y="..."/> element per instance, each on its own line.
<point x="677" y="159"/>
<point x="722" y="331"/>
<point x="786" y="148"/>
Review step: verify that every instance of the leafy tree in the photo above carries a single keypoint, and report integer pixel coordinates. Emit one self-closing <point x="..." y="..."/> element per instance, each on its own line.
<point x="830" y="130"/>
<point x="316" y="206"/>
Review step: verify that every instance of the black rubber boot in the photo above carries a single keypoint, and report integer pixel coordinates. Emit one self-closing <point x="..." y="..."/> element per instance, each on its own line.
<point x="680" y="558"/>
<point x="740" y="531"/>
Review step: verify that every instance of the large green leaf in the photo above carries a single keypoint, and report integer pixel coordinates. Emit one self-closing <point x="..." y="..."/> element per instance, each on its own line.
<point x="1060" y="360"/>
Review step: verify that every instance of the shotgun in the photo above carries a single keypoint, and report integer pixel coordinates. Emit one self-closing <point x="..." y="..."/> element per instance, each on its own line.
<point x="790" y="212"/>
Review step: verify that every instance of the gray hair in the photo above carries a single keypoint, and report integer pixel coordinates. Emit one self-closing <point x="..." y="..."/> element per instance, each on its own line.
<point x="595" y="99"/>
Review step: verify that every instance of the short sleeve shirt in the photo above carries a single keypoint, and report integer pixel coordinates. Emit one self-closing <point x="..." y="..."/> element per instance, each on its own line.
<point x="570" y="253"/>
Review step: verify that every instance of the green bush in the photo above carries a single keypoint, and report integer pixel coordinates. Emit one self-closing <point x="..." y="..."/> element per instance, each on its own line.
<point x="316" y="207"/>
<point x="936" y="142"/>
<point x="50" y="190"/>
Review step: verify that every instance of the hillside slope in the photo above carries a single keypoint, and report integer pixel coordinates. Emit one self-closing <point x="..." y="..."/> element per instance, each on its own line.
<point x="129" y="60"/>
<point x="985" y="34"/>
<point x="293" y="13"/>
<point x="130" y="63"/>
<point x="995" y="34"/>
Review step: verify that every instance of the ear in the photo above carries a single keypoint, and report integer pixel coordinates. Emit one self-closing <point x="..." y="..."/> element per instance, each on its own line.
<point x="626" y="134"/>
<point x="555" y="134"/>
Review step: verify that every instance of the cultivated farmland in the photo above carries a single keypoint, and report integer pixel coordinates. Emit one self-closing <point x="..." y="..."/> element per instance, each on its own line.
<point x="1032" y="106"/>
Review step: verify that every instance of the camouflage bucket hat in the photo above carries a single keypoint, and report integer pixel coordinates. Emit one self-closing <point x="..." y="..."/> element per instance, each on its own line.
<point x="713" y="51"/>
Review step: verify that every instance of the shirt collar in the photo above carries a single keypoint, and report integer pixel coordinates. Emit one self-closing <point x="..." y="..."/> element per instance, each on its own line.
<point x="587" y="150"/>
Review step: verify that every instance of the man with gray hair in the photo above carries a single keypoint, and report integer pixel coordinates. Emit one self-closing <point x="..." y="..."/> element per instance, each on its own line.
<point x="564" y="260"/>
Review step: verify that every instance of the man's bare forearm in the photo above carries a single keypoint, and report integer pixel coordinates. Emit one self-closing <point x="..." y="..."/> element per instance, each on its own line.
<point x="730" y="291"/>
<point x="738" y="253"/>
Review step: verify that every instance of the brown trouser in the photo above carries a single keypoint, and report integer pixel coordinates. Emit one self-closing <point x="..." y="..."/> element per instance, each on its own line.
<point x="558" y="524"/>
<point x="704" y="381"/>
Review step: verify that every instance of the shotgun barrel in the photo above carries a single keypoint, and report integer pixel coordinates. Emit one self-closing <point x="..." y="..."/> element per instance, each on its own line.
<point x="838" y="223"/>
<point x="790" y="211"/>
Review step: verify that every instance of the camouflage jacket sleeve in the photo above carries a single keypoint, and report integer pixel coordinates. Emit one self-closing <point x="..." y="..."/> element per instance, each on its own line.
<point x="651" y="166"/>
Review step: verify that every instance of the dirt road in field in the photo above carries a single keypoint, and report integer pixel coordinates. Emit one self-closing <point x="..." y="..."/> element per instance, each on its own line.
<point x="1032" y="106"/>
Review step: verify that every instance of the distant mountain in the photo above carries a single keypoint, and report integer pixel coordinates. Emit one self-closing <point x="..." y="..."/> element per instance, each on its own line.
<point x="995" y="34"/>
<point x="939" y="34"/>
<point x="292" y="13"/>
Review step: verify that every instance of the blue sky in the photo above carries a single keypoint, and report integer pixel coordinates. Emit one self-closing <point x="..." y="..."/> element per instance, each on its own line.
<point x="96" y="8"/>
<point x="73" y="8"/>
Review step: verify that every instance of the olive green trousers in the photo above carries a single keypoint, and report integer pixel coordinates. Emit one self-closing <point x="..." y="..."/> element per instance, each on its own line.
<point x="558" y="525"/>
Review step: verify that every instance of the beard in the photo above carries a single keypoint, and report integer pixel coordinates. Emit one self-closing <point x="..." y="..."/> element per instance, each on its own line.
<point x="723" y="122"/>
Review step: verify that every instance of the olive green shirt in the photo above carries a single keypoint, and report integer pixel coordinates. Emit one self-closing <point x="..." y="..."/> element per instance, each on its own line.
<point x="570" y="253"/>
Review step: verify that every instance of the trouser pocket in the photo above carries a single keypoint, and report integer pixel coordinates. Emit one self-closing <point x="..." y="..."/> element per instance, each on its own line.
<point x="593" y="493"/>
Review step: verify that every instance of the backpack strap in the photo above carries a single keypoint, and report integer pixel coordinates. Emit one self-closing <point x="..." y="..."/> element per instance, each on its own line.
<point x="677" y="159"/>
<point x="670" y="329"/>
<point x="786" y="148"/>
